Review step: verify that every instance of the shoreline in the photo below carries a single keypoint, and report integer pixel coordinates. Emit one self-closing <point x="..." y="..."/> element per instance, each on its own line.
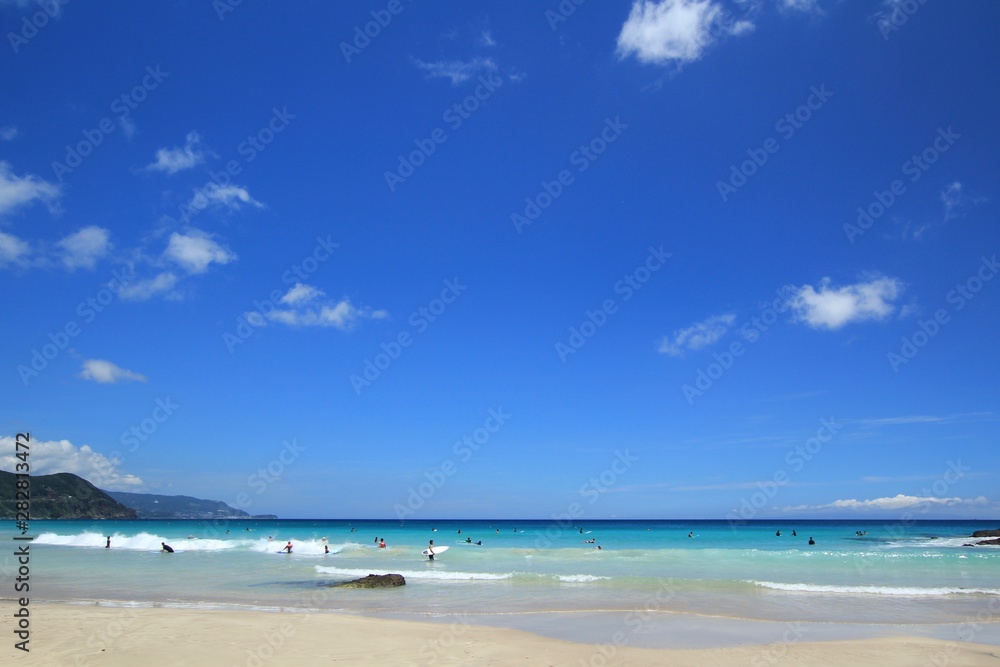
<point x="118" y="635"/>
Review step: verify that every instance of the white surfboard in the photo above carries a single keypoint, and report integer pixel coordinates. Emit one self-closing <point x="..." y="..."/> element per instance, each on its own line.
<point x="437" y="550"/>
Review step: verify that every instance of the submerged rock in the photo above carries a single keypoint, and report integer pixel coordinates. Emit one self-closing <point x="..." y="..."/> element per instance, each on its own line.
<point x="375" y="581"/>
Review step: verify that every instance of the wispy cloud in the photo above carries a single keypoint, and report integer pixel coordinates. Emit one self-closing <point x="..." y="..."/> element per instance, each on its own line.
<point x="306" y="308"/>
<point x="923" y="419"/>
<point x="141" y="290"/>
<point x="8" y="133"/>
<point x="830" y="307"/>
<point x="458" y="71"/>
<point x="697" y="336"/>
<point x="17" y="191"/>
<point x="228" y="196"/>
<point x="84" y="248"/>
<point x="173" y="160"/>
<point x="106" y="372"/>
<point x="52" y="456"/>
<point x="896" y="502"/>
<point x="13" y="251"/>
<point x="196" y="250"/>
<point x="675" y="32"/>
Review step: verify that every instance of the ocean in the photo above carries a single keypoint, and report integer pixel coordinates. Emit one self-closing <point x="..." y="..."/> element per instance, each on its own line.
<point x="858" y="572"/>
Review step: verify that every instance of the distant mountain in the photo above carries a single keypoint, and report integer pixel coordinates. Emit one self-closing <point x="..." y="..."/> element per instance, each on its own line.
<point x="153" y="506"/>
<point x="61" y="496"/>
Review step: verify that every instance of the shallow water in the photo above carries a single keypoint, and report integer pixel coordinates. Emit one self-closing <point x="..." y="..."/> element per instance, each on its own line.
<point x="900" y="574"/>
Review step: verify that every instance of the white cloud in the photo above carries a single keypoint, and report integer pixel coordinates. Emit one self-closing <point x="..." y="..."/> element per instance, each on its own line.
<point x="17" y="190"/>
<point x="898" y="501"/>
<point x="486" y="39"/>
<point x="675" y="31"/>
<point x="833" y="307"/>
<point x="196" y="251"/>
<point x="301" y="294"/>
<point x="230" y="196"/>
<point x="303" y="312"/>
<point x="456" y="70"/>
<point x="807" y="6"/>
<point x="8" y="133"/>
<point x="52" y="456"/>
<point x="173" y="160"/>
<point x="85" y="247"/>
<point x="145" y="289"/>
<point x="128" y="127"/>
<point x="697" y="336"/>
<point x="12" y="250"/>
<point x="105" y="372"/>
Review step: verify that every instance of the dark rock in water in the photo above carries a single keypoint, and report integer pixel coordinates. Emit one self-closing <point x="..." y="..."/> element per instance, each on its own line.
<point x="968" y="544"/>
<point x="986" y="533"/>
<point x="375" y="581"/>
<point x="993" y="542"/>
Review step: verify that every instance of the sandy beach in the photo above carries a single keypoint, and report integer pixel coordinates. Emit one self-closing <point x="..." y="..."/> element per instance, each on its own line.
<point x="92" y="635"/>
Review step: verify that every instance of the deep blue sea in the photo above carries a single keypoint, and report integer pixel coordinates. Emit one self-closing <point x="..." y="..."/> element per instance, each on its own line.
<point x="893" y="572"/>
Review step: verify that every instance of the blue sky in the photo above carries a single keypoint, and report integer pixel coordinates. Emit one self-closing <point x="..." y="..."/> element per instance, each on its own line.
<point x="687" y="258"/>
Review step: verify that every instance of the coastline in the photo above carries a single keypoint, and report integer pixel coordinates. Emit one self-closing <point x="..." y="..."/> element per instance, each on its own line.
<point x="103" y="635"/>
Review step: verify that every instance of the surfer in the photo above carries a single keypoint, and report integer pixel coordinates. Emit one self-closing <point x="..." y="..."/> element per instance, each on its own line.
<point x="468" y="540"/>
<point x="326" y="549"/>
<point x="381" y="544"/>
<point x="430" y="548"/>
<point x="287" y="547"/>
<point x="108" y="545"/>
<point x="778" y="534"/>
<point x="166" y="548"/>
<point x="794" y="534"/>
<point x="812" y="541"/>
<point x="691" y="534"/>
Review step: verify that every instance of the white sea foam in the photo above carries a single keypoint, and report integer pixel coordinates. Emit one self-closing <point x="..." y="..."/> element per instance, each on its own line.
<point x="580" y="578"/>
<point x="912" y="591"/>
<point x="151" y="542"/>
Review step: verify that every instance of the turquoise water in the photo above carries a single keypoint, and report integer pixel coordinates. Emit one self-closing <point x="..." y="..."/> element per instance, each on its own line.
<point x="892" y="573"/>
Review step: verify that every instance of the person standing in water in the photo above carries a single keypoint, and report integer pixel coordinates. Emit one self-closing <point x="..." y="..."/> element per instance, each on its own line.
<point x="430" y="548"/>
<point x="108" y="545"/>
<point x="287" y="547"/>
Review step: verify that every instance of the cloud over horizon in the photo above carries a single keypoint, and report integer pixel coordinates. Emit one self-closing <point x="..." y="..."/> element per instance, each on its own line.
<point x="53" y="456"/>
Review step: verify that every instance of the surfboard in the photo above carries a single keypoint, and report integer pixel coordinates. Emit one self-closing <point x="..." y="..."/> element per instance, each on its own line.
<point x="437" y="550"/>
